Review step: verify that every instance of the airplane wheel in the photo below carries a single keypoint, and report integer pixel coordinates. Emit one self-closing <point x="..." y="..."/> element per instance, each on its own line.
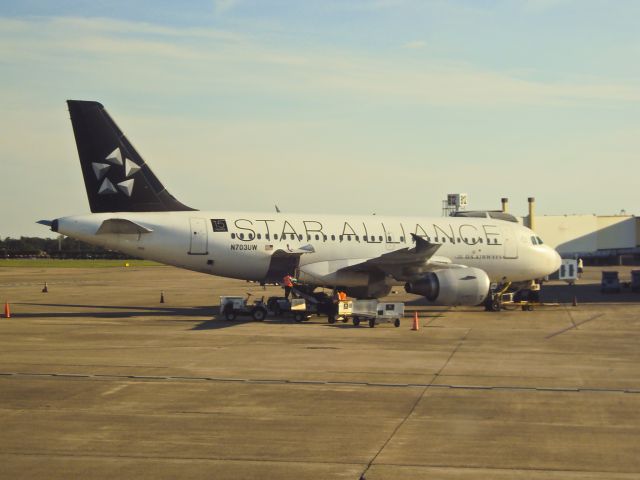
<point x="259" y="314"/>
<point x="372" y="323"/>
<point x="356" y="321"/>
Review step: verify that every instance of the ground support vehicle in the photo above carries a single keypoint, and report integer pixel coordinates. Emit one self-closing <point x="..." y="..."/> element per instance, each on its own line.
<point x="278" y="306"/>
<point x="610" y="282"/>
<point x="233" y="306"/>
<point x="345" y="310"/>
<point x="301" y="310"/>
<point x="314" y="304"/>
<point x="375" y="313"/>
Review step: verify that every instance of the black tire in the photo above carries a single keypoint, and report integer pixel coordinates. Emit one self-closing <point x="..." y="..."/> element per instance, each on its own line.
<point x="495" y="306"/>
<point x="356" y="321"/>
<point x="230" y="315"/>
<point x="372" y="323"/>
<point x="298" y="317"/>
<point x="331" y="319"/>
<point x="396" y="323"/>
<point x="259" y="314"/>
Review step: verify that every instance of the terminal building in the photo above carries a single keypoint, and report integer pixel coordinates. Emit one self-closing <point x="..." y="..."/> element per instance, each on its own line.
<point x="597" y="239"/>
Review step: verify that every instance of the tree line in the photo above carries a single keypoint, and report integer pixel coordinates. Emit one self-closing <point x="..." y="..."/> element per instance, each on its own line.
<point x="61" y="247"/>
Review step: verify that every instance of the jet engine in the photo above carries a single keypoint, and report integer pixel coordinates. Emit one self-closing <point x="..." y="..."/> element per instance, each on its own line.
<point x="452" y="286"/>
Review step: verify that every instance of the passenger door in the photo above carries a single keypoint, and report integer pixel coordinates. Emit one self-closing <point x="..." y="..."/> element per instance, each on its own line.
<point x="198" y="244"/>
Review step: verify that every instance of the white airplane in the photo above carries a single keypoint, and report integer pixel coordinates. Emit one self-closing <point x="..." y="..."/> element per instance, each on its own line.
<point x="448" y="260"/>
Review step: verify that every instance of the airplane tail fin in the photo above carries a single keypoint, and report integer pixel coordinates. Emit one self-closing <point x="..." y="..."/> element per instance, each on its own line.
<point x="116" y="177"/>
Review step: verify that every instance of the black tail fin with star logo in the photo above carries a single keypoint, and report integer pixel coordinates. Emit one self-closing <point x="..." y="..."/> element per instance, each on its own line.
<point x="116" y="178"/>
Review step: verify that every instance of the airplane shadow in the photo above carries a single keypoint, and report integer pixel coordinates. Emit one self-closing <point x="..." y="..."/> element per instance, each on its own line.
<point x="117" y="311"/>
<point x="586" y="293"/>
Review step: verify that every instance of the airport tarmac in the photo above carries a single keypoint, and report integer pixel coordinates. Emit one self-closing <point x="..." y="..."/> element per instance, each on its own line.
<point x="100" y="380"/>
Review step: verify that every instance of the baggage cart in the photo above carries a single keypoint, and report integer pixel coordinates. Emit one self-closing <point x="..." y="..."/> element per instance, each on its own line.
<point x="374" y="312"/>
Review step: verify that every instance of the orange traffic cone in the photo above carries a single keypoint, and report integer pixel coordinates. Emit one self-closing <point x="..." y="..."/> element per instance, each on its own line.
<point x="7" y="310"/>
<point x="416" y="322"/>
<point x="45" y="289"/>
<point x="161" y="296"/>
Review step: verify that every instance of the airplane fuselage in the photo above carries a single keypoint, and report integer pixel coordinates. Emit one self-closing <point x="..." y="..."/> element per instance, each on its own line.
<point x="243" y="245"/>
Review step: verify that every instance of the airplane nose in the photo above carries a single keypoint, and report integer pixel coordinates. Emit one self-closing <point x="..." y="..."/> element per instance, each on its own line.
<point x="554" y="260"/>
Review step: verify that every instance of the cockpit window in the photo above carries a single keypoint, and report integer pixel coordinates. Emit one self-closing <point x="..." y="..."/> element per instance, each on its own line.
<point x="534" y="241"/>
<point x="540" y="242"/>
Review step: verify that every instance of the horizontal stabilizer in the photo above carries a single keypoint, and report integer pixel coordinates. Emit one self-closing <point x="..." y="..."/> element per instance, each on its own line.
<point x="121" y="225"/>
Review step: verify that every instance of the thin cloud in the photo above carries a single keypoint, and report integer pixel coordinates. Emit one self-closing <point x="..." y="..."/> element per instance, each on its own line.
<point x="415" y="44"/>
<point x="142" y="49"/>
<point x="223" y="6"/>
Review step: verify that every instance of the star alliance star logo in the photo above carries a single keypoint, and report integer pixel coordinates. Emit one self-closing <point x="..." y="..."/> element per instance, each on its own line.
<point x="115" y="158"/>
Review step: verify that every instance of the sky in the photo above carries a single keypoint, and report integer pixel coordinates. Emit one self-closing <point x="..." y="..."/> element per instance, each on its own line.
<point x="328" y="106"/>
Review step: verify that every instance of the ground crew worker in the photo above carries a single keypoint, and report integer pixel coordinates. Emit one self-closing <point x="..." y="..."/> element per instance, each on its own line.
<point x="580" y="267"/>
<point x="342" y="296"/>
<point x="287" y="283"/>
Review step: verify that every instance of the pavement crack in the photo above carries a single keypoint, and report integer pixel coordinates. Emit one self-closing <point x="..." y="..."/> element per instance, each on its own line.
<point x="574" y="326"/>
<point x="413" y="407"/>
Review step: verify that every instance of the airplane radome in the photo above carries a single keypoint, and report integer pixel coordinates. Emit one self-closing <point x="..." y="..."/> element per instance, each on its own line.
<point x="448" y="260"/>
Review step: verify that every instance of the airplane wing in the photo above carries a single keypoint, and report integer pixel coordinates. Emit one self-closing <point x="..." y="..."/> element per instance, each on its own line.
<point x="406" y="263"/>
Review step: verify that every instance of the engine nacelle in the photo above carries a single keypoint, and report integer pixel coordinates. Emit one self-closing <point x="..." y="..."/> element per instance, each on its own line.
<point x="452" y="286"/>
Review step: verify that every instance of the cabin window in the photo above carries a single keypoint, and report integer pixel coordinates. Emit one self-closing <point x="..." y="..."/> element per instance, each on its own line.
<point x="241" y="236"/>
<point x="275" y="236"/>
<point x="250" y="236"/>
<point x="317" y="237"/>
<point x="340" y="237"/>
<point x="266" y="236"/>
<point x="402" y="239"/>
<point x="299" y="237"/>
<point x="480" y="240"/>
<point x="259" y="236"/>
<point x="324" y="237"/>
<point x="333" y="237"/>
<point x="380" y="238"/>
<point x="308" y="237"/>
<point x="233" y="235"/>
